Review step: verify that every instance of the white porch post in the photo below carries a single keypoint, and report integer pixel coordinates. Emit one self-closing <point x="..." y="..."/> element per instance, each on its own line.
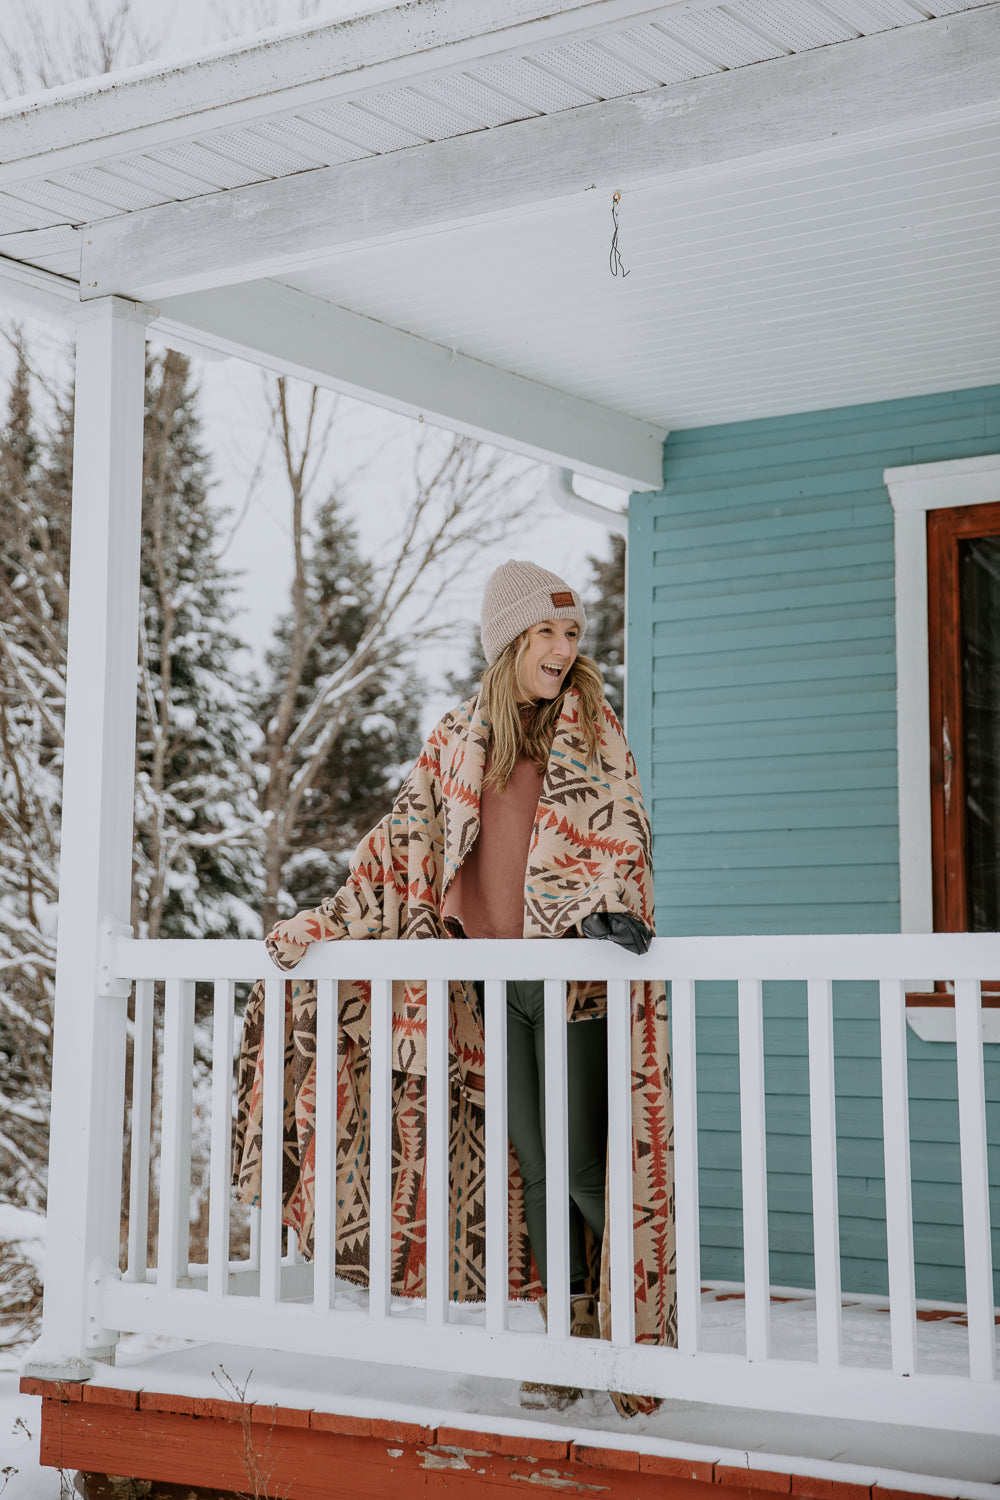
<point x="96" y="861"/>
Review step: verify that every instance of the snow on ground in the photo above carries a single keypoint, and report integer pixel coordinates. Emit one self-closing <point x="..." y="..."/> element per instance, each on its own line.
<point x="21" y="1475"/>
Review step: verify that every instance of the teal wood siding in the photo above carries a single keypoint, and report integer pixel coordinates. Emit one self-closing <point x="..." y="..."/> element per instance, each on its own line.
<point x="761" y="708"/>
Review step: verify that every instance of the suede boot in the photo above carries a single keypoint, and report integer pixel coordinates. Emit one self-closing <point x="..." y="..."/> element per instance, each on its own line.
<point x="538" y="1395"/>
<point x="584" y="1317"/>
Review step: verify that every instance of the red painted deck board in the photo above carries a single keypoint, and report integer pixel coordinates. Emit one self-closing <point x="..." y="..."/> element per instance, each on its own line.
<point x="304" y="1455"/>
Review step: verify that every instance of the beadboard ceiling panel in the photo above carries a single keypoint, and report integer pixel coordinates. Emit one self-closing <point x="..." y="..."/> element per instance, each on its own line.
<point x="771" y="290"/>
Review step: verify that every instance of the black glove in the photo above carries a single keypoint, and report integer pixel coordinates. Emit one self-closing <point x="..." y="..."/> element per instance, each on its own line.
<point x="622" y="928"/>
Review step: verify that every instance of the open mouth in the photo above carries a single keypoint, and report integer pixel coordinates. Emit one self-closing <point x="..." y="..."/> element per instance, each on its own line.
<point x="554" y="672"/>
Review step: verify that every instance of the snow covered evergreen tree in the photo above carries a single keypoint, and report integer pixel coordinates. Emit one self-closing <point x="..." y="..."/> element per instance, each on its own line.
<point x="346" y="788"/>
<point x="605" y="603"/>
<point x="198" y="828"/>
<point x="34" y="562"/>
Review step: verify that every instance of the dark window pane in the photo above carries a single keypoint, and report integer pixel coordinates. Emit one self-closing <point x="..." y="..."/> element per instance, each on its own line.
<point x="979" y="573"/>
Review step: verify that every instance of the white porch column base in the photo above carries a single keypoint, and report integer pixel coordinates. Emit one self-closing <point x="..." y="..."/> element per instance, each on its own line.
<point x="96" y="861"/>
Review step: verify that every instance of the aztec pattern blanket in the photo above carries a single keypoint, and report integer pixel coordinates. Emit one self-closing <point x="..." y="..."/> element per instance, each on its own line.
<point x="590" y="851"/>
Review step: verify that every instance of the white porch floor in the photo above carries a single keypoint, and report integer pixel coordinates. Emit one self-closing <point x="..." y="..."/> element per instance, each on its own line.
<point x="923" y="1459"/>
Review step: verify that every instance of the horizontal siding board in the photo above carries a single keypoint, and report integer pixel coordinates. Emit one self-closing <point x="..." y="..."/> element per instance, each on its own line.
<point x="741" y="896"/>
<point x="738" y="707"/>
<point x="772" y="584"/>
<point x="797" y="850"/>
<point x="770" y="525"/>
<point x="762" y="644"/>
<point x="762" y="564"/>
<point x="821" y="600"/>
<point x="768" y="922"/>
<point x="809" y="777"/>
<point x="825" y="657"/>
<point x="772" y="636"/>
<point x="829" y="736"/>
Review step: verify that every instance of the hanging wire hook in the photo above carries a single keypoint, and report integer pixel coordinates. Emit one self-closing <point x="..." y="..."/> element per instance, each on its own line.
<point x="617" y="268"/>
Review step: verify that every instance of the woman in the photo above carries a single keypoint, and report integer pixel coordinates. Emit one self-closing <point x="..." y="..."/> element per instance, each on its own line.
<point x="521" y="818"/>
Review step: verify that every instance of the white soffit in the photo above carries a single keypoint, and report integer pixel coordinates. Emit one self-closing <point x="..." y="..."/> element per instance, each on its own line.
<point x="857" y="272"/>
<point x="766" y="291"/>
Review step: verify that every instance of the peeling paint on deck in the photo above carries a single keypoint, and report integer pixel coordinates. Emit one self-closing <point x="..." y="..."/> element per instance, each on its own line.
<point x="551" y="1479"/>
<point x="444" y="1456"/>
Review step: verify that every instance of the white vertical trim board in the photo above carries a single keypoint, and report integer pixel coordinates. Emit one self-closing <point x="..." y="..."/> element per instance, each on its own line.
<point x="914" y="490"/>
<point x="88" y="1082"/>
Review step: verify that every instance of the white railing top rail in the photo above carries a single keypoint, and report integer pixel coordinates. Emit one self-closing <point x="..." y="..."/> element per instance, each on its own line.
<point x="853" y="956"/>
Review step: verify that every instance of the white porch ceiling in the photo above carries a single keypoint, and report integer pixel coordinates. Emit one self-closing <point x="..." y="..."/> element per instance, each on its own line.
<point x="762" y="279"/>
<point x="768" y="290"/>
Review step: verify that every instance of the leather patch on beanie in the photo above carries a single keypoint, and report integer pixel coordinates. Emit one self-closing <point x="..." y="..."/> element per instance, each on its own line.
<point x="563" y="600"/>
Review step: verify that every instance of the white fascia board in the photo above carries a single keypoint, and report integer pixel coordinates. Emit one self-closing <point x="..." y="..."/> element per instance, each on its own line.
<point x="155" y="106"/>
<point x="27" y="290"/>
<point x="294" y="334"/>
<point x="919" y="79"/>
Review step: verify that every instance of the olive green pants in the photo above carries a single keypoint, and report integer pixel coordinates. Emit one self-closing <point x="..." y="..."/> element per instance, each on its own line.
<point x="587" y="1109"/>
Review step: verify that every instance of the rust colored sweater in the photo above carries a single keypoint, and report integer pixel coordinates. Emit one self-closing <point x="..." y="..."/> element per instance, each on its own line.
<point x="486" y="897"/>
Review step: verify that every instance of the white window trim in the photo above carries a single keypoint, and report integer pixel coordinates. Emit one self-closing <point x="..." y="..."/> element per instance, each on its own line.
<point x="914" y="490"/>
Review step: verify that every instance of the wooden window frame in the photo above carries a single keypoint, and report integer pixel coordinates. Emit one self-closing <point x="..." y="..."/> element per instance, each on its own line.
<point x="946" y="528"/>
<point x="915" y="491"/>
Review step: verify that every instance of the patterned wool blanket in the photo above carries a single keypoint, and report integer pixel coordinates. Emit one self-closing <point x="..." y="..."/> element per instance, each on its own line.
<point x="590" y="851"/>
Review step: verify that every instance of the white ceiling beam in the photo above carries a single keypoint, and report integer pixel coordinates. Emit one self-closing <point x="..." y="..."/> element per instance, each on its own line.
<point x="294" y="334"/>
<point x="915" y="79"/>
<point x="151" y="107"/>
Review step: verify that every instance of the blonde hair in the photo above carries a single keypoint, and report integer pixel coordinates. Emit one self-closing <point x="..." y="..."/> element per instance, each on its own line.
<point x="502" y="703"/>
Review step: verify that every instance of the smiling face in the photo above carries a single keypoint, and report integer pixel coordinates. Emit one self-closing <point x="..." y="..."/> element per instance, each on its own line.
<point x="551" y="651"/>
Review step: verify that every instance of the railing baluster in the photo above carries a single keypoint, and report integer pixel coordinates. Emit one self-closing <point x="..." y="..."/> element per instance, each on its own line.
<point x="975" y="1181"/>
<point x="224" y="1001"/>
<point x="683" y="1072"/>
<point x="380" y="1147"/>
<point x="556" y="1160"/>
<point x="497" y="1230"/>
<point x="272" y="1151"/>
<point x="325" y="1221"/>
<point x="756" y="1265"/>
<point x="254" y="1249"/>
<point x="823" y="1142"/>
<point x="898" y="1193"/>
<point x="142" y="1097"/>
<point x="620" y="1185"/>
<point x="437" y="1151"/>
<point x="175" y="1158"/>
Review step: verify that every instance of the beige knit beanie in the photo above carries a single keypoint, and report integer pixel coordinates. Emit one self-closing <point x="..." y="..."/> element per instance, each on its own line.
<point x="519" y="595"/>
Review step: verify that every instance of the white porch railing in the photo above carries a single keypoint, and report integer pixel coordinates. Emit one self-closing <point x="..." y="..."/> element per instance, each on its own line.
<point x="282" y="1303"/>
